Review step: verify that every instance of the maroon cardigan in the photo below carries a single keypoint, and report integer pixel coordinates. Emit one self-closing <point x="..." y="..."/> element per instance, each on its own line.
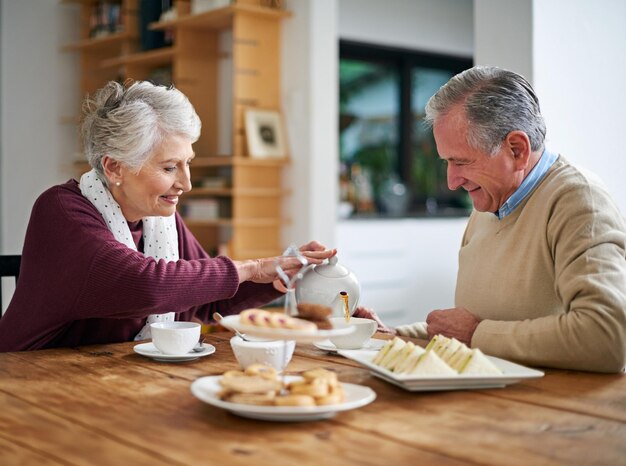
<point x="78" y="285"/>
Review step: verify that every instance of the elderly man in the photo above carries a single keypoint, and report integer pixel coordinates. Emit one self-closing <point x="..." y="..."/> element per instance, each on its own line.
<point x="542" y="264"/>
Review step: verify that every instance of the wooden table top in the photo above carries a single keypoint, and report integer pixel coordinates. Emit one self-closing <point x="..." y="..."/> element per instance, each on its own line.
<point x="107" y="405"/>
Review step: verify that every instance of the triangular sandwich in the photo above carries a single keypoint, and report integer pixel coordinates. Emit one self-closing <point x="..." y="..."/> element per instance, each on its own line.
<point x="395" y="346"/>
<point x="431" y="364"/>
<point x="399" y="357"/>
<point x="478" y="363"/>
<point x="410" y="360"/>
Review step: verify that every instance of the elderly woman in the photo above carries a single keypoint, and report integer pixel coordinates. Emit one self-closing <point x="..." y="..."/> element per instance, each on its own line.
<point x="108" y="255"/>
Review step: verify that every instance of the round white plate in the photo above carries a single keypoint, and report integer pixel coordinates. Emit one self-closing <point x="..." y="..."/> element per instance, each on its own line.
<point x="207" y="388"/>
<point x="282" y="333"/>
<point x="150" y="351"/>
<point x="372" y="344"/>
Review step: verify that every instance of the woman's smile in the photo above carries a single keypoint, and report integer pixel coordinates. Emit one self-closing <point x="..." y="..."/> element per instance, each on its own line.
<point x="170" y="199"/>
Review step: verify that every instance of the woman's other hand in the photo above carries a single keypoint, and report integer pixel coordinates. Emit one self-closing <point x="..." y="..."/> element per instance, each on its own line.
<point x="367" y="313"/>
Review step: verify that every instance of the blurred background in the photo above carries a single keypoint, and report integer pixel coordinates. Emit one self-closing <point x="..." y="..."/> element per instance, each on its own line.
<point x="349" y="79"/>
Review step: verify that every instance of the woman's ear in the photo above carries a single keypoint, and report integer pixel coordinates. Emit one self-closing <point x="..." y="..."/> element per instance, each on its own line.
<point x="519" y="145"/>
<point x="112" y="170"/>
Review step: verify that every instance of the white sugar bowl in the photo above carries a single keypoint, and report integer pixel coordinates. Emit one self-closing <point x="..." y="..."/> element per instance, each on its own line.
<point x="273" y="353"/>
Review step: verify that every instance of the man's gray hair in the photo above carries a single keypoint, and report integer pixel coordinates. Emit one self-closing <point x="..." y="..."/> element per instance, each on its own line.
<point x="128" y="123"/>
<point x="496" y="102"/>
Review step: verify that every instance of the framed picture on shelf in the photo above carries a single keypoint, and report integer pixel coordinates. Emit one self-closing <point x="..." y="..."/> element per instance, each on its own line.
<point x="264" y="134"/>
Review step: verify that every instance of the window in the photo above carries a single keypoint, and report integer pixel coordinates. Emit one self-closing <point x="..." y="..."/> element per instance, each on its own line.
<point x="388" y="158"/>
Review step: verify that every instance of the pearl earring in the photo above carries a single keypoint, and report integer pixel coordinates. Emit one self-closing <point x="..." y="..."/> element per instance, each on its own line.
<point x="117" y="183"/>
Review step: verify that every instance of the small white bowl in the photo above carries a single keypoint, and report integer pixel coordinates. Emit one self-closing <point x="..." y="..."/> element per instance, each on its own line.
<point x="273" y="353"/>
<point x="363" y="331"/>
<point x="176" y="338"/>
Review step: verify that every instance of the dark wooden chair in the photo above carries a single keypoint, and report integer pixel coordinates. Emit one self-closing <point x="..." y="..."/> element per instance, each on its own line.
<point x="9" y="267"/>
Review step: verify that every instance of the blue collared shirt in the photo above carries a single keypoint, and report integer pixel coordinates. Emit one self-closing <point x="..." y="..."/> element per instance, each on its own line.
<point x="534" y="177"/>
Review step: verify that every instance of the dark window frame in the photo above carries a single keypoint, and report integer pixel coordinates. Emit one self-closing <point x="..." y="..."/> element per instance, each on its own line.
<point x="405" y="60"/>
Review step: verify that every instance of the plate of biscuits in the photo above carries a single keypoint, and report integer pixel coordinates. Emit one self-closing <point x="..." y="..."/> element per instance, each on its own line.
<point x="260" y="393"/>
<point x="310" y="325"/>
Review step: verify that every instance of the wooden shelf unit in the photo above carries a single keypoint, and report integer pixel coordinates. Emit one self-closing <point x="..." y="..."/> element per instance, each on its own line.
<point x="253" y="187"/>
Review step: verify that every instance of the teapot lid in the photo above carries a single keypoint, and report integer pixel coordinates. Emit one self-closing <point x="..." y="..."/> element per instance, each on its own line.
<point x="332" y="269"/>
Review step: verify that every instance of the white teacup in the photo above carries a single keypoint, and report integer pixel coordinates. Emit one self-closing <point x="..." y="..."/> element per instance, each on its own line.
<point x="175" y="338"/>
<point x="273" y="353"/>
<point x="363" y="331"/>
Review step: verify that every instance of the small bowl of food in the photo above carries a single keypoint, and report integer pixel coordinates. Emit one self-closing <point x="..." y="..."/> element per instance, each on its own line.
<point x="273" y="353"/>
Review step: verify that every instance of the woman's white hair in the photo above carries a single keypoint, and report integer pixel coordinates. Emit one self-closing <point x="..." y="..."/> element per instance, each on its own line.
<point x="129" y="123"/>
<point x="496" y="102"/>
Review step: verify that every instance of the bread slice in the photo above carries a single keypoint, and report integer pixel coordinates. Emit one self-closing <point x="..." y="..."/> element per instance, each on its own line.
<point x="388" y="351"/>
<point x="460" y="356"/>
<point x="431" y="364"/>
<point x="399" y="357"/>
<point x="435" y="342"/>
<point x="410" y="360"/>
<point x="383" y="351"/>
<point x="478" y="363"/>
<point x="451" y="346"/>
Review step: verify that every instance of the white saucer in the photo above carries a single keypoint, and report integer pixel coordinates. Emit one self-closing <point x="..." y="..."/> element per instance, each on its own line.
<point x="150" y="351"/>
<point x="372" y="344"/>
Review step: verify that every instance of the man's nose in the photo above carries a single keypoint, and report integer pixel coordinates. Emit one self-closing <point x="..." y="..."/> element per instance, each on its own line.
<point x="455" y="178"/>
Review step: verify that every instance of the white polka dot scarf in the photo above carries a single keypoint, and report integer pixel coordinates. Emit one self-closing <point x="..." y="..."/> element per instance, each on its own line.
<point x="160" y="238"/>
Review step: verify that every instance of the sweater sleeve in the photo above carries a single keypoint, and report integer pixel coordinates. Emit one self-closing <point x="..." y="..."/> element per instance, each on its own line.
<point x="248" y="294"/>
<point x="124" y="283"/>
<point x="587" y="237"/>
<point x="414" y="330"/>
<point x="112" y="280"/>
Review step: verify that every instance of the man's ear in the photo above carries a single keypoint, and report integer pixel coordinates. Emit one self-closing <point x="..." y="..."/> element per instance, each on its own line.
<point x="112" y="170"/>
<point x="518" y="144"/>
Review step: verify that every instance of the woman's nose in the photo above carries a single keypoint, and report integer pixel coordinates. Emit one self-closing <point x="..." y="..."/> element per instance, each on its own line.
<point x="184" y="180"/>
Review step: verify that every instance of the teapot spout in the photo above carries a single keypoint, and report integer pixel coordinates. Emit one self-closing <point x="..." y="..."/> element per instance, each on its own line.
<point x="341" y="305"/>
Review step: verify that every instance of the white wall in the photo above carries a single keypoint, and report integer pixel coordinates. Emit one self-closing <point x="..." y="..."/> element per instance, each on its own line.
<point x="574" y="53"/>
<point x="37" y="87"/>
<point x="579" y="58"/>
<point x="498" y="22"/>
<point x="309" y="79"/>
<point x="407" y="268"/>
<point x="442" y="26"/>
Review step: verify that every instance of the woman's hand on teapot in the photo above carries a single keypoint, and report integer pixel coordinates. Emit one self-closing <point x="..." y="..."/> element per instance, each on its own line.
<point x="264" y="270"/>
<point x="367" y="313"/>
<point x="316" y="252"/>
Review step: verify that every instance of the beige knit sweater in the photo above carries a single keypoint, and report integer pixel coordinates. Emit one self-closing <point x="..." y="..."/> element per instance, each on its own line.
<point x="549" y="280"/>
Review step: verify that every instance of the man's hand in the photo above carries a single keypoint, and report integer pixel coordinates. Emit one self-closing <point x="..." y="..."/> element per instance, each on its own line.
<point x="367" y="313"/>
<point x="456" y="323"/>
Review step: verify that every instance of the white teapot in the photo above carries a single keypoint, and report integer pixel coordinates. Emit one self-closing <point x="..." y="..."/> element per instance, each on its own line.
<point x="331" y="285"/>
